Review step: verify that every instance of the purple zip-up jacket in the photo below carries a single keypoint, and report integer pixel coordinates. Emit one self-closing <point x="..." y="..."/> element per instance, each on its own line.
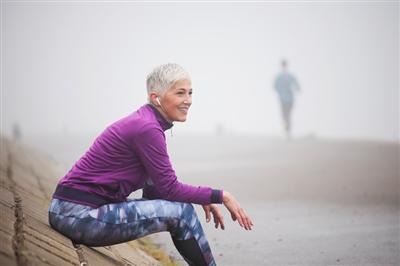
<point x="128" y="155"/>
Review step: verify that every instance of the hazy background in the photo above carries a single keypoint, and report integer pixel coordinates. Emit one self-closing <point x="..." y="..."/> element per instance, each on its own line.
<point x="68" y="69"/>
<point x="73" y="68"/>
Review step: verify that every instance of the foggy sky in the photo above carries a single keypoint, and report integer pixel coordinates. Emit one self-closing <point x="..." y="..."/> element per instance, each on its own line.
<point x="77" y="67"/>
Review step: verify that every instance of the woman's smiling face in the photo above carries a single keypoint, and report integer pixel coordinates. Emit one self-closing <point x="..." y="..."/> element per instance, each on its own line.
<point x="176" y="101"/>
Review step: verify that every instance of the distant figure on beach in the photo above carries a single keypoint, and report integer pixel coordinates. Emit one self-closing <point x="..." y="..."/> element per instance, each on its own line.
<point x="90" y="204"/>
<point x="285" y="85"/>
<point x="16" y="132"/>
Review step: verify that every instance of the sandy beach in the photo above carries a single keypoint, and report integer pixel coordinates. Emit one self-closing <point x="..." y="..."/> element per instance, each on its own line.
<point x="313" y="202"/>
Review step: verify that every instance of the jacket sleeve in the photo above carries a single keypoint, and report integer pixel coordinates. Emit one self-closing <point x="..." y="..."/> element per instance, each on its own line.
<point x="150" y="146"/>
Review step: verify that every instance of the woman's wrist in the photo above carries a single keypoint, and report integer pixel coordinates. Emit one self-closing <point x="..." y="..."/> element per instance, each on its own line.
<point x="225" y="196"/>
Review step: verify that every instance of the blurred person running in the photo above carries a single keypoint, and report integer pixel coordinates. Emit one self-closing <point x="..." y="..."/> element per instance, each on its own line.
<point x="285" y="85"/>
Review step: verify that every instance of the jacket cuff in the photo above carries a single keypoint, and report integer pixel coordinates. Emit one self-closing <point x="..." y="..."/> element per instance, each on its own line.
<point x="216" y="196"/>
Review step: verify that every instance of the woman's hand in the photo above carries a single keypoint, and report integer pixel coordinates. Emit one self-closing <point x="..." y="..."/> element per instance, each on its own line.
<point x="216" y="213"/>
<point x="237" y="213"/>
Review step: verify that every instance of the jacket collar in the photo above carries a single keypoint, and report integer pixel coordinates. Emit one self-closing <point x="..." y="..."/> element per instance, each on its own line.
<point x="164" y="123"/>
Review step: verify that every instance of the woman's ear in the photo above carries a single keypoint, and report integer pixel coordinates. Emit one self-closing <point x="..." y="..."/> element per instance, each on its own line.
<point x="153" y="98"/>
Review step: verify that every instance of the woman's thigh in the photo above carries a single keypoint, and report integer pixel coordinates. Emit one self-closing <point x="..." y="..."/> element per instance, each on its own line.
<point x="120" y="222"/>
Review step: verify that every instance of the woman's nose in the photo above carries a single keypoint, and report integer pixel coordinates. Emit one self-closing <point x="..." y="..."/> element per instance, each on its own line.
<point x="188" y="99"/>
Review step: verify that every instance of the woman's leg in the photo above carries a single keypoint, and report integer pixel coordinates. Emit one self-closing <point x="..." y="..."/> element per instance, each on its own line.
<point x="121" y="222"/>
<point x="286" y="108"/>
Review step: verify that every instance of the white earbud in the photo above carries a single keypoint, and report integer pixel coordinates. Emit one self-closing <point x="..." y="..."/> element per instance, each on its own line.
<point x="158" y="101"/>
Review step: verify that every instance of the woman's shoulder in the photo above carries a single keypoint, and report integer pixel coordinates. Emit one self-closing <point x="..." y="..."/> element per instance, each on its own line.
<point x="139" y="122"/>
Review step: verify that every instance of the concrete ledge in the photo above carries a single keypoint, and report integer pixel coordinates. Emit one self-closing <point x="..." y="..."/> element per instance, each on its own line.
<point x="27" y="180"/>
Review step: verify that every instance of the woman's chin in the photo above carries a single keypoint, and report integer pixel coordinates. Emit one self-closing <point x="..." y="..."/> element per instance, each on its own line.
<point x="181" y="119"/>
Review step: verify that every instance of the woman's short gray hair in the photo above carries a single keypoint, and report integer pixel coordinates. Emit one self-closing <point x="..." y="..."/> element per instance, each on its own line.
<point x="164" y="76"/>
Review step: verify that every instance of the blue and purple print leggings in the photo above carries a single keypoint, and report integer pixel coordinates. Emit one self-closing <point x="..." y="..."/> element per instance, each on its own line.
<point x="121" y="222"/>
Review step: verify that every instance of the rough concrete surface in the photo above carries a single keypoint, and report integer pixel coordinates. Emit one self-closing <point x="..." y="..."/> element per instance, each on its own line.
<point x="27" y="180"/>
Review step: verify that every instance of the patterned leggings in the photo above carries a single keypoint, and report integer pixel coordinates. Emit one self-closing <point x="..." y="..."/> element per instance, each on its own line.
<point x="121" y="222"/>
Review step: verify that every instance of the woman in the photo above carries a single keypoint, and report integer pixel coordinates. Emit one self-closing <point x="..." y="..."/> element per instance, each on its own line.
<point x="90" y="204"/>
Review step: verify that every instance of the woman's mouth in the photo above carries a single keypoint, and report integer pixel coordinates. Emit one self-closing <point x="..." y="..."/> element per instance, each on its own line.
<point x="184" y="109"/>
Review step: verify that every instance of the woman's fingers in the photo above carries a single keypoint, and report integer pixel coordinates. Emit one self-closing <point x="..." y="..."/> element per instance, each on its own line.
<point x="219" y="219"/>
<point x="237" y="213"/>
<point x="207" y="212"/>
<point x="216" y="222"/>
<point x="242" y="218"/>
<point x="247" y="223"/>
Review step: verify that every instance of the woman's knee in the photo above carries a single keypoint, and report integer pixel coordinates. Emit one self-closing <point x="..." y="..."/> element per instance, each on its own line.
<point x="188" y="210"/>
<point x="188" y="206"/>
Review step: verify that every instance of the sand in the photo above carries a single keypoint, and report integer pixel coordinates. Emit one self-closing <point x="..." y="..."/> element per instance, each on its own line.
<point x="313" y="202"/>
